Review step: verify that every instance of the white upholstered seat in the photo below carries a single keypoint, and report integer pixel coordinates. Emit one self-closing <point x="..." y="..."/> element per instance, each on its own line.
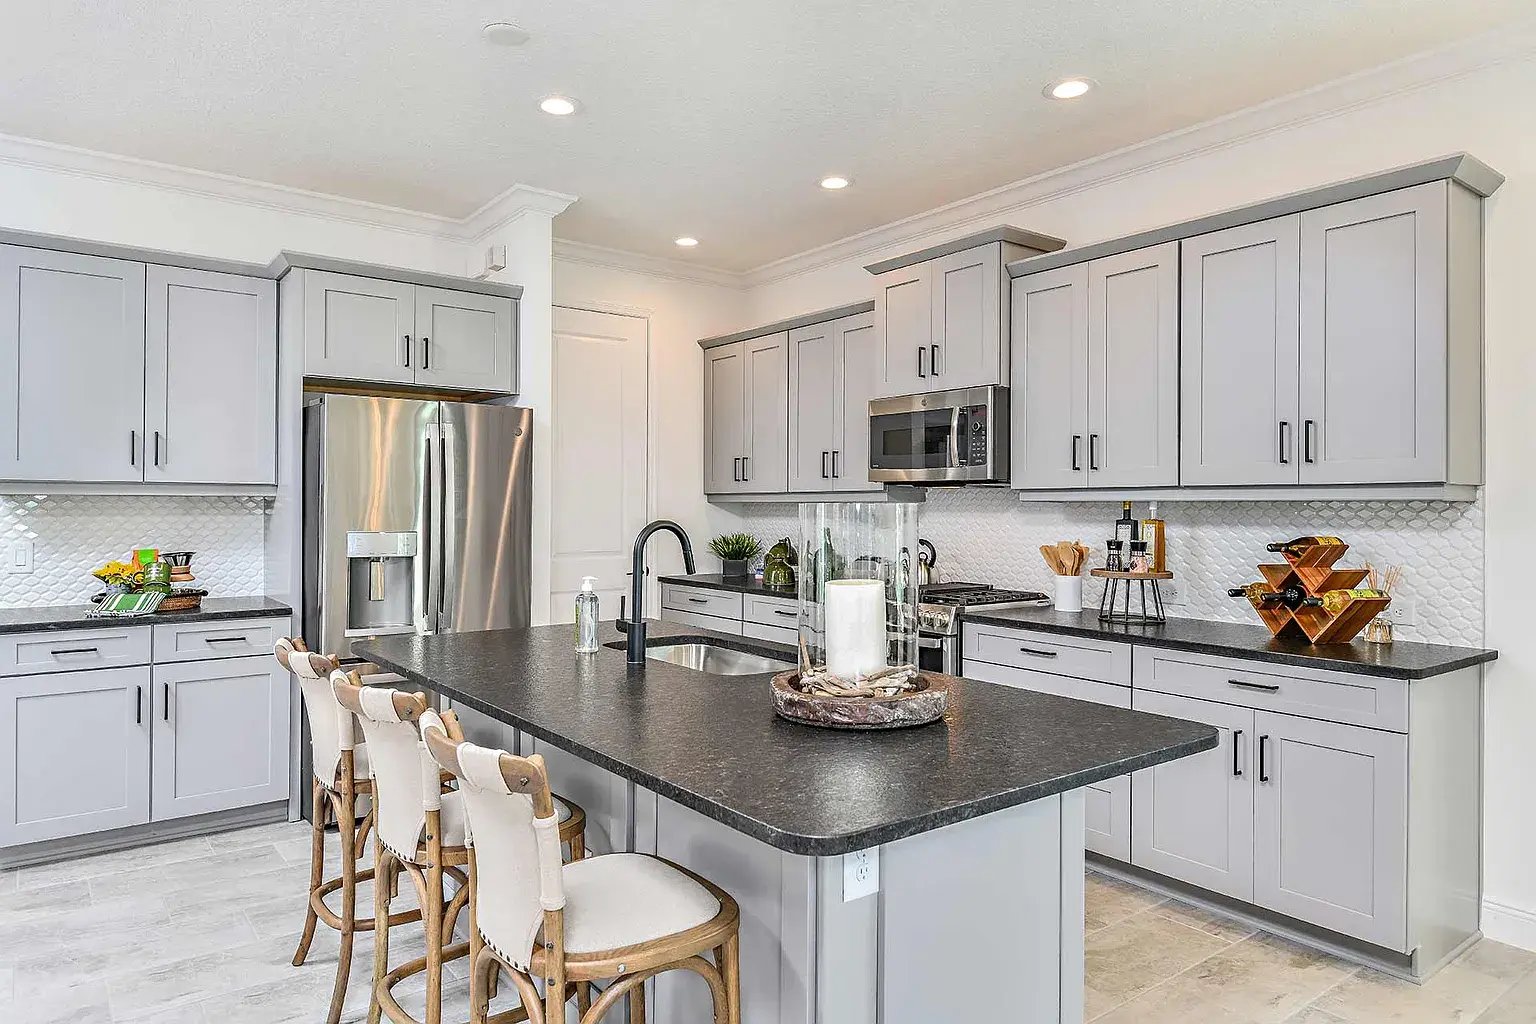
<point x="624" y="898"/>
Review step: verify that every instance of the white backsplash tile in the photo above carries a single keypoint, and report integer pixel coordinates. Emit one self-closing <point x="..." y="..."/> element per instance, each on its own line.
<point x="74" y="533"/>
<point x="986" y="535"/>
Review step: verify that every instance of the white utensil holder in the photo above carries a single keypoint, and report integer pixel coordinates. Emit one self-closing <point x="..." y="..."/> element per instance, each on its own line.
<point x="1069" y="593"/>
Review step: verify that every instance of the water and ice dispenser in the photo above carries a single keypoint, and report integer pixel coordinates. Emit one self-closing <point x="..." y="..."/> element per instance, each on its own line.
<point x="381" y="583"/>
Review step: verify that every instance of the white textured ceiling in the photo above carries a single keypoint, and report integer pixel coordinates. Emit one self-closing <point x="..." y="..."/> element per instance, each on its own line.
<point x="714" y="118"/>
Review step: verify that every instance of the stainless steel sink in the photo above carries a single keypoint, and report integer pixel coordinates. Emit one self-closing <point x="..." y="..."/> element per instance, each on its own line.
<point x="719" y="661"/>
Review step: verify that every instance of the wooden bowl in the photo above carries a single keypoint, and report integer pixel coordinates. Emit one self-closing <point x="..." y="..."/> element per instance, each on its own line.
<point x="915" y="707"/>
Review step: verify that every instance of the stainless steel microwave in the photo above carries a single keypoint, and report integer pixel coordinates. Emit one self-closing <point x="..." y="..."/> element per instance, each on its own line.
<point x="944" y="437"/>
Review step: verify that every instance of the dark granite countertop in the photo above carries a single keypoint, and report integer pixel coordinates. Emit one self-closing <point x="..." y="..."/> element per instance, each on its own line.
<point x="72" y="616"/>
<point x="713" y="743"/>
<point x="1401" y="660"/>
<point x="735" y="584"/>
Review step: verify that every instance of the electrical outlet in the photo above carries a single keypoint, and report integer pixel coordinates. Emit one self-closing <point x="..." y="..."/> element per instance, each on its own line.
<point x="861" y="874"/>
<point x="20" y="560"/>
<point x="1404" y="611"/>
<point x="1173" y="594"/>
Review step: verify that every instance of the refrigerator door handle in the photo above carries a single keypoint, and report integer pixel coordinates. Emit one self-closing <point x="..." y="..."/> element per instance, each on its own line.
<point x="447" y="566"/>
<point x="426" y="609"/>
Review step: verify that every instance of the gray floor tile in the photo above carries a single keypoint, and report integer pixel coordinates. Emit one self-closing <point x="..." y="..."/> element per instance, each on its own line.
<point x="81" y="868"/>
<point x="259" y="835"/>
<point x="199" y="876"/>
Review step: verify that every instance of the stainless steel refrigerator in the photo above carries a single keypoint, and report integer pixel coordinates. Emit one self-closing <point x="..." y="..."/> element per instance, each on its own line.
<point x="416" y="518"/>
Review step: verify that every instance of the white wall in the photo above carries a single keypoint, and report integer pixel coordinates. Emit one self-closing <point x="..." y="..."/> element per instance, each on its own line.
<point x="1486" y="112"/>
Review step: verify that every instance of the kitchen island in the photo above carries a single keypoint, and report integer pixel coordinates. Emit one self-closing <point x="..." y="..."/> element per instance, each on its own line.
<point x="916" y="875"/>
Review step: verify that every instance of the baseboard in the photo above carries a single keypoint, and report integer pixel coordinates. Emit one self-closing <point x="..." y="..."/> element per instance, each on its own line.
<point x="50" y="850"/>
<point x="1514" y="926"/>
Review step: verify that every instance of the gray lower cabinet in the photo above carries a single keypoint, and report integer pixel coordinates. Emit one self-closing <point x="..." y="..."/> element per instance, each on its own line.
<point x="830" y="367"/>
<point x="1096" y="355"/>
<point x="1193" y="818"/>
<point x="210" y="380"/>
<point x="220" y="735"/>
<point x="746" y="416"/>
<point x="607" y="798"/>
<point x="71" y="367"/>
<point x="465" y="340"/>
<point x="1330" y="826"/>
<point x="77" y="753"/>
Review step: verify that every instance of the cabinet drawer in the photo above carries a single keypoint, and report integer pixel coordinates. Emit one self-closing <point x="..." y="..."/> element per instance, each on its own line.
<point x="1046" y="682"/>
<point x="233" y="638"/>
<point x="772" y="611"/>
<point x="721" y="603"/>
<point x="714" y="622"/>
<point x="1329" y="696"/>
<point x="70" y="649"/>
<point x="1101" y="660"/>
<point x="778" y="634"/>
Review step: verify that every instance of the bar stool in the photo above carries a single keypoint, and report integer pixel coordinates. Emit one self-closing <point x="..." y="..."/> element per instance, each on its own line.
<point x="622" y="917"/>
<point x="419" y="830"/>
<point x="340" y="779"/>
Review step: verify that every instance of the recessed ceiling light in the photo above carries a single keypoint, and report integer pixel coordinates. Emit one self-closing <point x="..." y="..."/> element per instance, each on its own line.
<point x="559" y="106"/>
<point x="1068" y="88"/>
<point x="503" y="33"/>
<point x="833" y="182"/>
<point x="686" y="242"/>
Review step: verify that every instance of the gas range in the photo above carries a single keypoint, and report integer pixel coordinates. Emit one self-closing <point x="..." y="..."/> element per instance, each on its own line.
<point x="940" y="605"/>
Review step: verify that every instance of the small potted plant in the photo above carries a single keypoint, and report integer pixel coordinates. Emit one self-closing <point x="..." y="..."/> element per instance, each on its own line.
<point x="735" y="550"/>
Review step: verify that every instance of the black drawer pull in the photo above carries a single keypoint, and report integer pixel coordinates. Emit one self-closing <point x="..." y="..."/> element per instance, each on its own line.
<point x="787" y="614"/>
<point x="1037" y="653"/>
<point x="60" y="651"/>
<point x="138" y="705"/>
<point x="227" y="640"/>
<point x="1263" y="768"/>
<point x="698" y="600"/>
<point x="1237" y="768"/>
<point x="1265" y="687"/>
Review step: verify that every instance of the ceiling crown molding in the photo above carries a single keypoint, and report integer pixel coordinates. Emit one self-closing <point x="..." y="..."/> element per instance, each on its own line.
<point x="641" y="263"/>
<point x="1318" y="103"/>
<point x="516" y="201"/>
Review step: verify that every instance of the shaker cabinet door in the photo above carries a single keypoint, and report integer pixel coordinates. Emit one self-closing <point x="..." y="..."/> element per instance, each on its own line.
<point x="765" y="468"/>
<point x="859" y="373"/>
<point x="814" y="405"/>
<point x="1133" y="368"/>
<point x="1331" y="825"/>
<point x="1373" y="339"/>
<point x="71" y="367"/>
<point x="725" y="417"/>
<point x="465" y="340"/>
<point x="1049" y="443"/>
<point x="967" y="345"/>
<point x="76" y="753"/>
<point x="1239" y="352"/>
<point x="210" y="385"/>
<point x="1192" y="819"/>
<point x="904" y="325"/>
<point x="359" y="328"/>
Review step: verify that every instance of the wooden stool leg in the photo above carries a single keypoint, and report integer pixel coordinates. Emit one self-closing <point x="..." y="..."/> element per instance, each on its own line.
<point x="583" y="1000"/>
<point x="481" y="969"/>
<point x="383" y="870"/>
<point x="346" y="826"/>
<point x="432" y="916"/>
<point x="637" y="1004"/>
<point x="578" y="846"/>
<point x="730" y="971"/>
<point x="319" y="804"/>
<point x="362" y="836"/>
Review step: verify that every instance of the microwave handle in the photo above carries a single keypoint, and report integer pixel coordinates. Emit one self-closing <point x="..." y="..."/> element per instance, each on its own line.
<point x="954" y="436"/>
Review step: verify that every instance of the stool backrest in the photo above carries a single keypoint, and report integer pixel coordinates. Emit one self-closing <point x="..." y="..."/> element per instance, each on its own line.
<point x="518" y="874"/>
<point x="330" y="725"/>
<point x="405" y="781"/>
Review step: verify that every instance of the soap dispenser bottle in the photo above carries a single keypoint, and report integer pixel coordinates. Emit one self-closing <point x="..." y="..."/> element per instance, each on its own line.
<point x="586" y="617"/>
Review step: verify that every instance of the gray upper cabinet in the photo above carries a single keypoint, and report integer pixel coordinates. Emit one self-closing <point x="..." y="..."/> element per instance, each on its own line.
<point x="210" y="382"/>
<point x="1373" y="339"/>
<point x="904" y="324"/>
<point x="725" y="417"/>
<point x="1240" y="349"/>
<point x="968" y="311"/>
<point x="1331" y="824"/>
<point x="464" y="340"/>
<point x="832" y="369"/>
<point x="359" y="328"/>
<point x="860" y="370"/>
<point x="765" y="460"/>
<point x="1095" y="373"/>
<point x="1133" y="369"/>
<point x="71" y="367"/>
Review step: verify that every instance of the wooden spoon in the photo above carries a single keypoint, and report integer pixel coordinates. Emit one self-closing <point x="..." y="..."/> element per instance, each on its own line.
<point x="1048" y="552"/>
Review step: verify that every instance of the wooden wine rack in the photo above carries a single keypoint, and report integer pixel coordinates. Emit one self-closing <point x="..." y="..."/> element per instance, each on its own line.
<point x="1313" y="571"/>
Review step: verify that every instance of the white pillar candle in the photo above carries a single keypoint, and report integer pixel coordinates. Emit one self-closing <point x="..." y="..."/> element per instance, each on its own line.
<point x="856" y="642"/>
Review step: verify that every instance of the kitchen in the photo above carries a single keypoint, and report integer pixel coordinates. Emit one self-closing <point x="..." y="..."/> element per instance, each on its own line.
<point x="1456" y="588"/>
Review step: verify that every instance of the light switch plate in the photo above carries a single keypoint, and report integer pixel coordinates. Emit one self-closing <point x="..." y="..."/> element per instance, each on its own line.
<point x="861" y="874"/>
<point x="20" y="560"/>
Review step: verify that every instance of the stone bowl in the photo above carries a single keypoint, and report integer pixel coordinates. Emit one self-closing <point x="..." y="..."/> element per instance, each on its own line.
<point x="915" y="707"/>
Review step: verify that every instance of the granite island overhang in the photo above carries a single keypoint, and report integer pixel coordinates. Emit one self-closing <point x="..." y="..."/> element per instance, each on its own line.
<point x="977" y="820"/>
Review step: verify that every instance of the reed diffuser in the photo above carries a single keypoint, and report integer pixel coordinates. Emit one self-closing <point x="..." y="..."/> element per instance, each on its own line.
<point x="1379" y="629"/>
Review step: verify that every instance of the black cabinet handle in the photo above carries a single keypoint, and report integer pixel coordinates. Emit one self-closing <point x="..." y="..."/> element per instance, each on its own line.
<point x="138" y="705"/>
<point x="745" y="460"/>
<point x="1093" y="451"/>
<point x="1037" y="653"/>
<point x="226" y="640"/>
<point x="406" y="338"/>
<point x="133" y="447"/>
<point x="1237" y="768"/>
<point x="1265" y="687"/>
<point x="1285" y="427"/>
<point x="921" y="349"/>
<point x="426" y="353"/>
<point x="165" y="702"/>
<point x="824" y="475"/>
<point x="1077" y="442"/>
<point x="835" y="454"/>
<point x="1307" y="427"/>
<point x="1263" y="769"/>
<point x="933" y="360"/>
<point x="698" y="600"/>
<point x="786" y="613"/>
<point x="736" y="469"/>
<point x="60" y="651"/>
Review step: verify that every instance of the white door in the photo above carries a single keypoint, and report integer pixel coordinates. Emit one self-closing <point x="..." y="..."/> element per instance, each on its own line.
<point x="599" y="450"/>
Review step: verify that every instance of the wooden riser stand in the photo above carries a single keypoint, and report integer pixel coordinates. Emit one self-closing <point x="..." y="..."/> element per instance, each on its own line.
<point x="1314" y="573"/>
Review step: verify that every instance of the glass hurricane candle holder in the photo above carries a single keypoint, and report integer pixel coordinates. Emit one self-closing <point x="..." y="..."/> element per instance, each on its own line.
<point x="858" y="587"/>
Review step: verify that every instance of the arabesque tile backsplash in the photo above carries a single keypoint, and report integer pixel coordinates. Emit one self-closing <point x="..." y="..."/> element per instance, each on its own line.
<point x="74" y="533"/>
<point x="987" y="535"/>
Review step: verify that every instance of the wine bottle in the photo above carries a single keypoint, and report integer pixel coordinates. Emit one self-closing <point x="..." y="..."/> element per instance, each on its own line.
<point x="1335" y="600"/>
<point x="1295" y="548"/>
<point x="1126" y="528"/>
<point x="1263" y="595"/>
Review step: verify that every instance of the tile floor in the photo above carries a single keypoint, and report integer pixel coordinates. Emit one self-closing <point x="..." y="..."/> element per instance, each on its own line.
<point x="200" y="931"/>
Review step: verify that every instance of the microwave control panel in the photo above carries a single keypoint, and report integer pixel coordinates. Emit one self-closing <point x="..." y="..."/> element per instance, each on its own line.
<point x="972" y="442"/>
